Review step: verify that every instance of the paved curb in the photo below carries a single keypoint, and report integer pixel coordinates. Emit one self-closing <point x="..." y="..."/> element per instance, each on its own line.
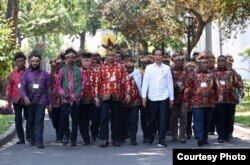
<point x="242" y="131"/>
<point x="8" y="135"/>
<point x="11" y="132"/>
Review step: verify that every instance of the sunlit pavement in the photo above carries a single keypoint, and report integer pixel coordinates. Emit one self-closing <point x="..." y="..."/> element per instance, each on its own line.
<point x="142" y="154"/>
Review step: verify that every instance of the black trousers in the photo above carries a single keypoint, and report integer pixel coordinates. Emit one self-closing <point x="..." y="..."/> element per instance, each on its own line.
<point x="158" y="112"/>
<point x="36" y="122"/>
<point x="73" y="110"/>
<point x="144" y="116"/>
<point x="87" y="113"/>
<point x="55" y="117"/>
<point x="130" y="124"/>
<point x="189" y="122"/>
<point x="211" y="126"/>
<point x="21" y="110"/>
<point x="224" y="114"/>
<point x="110" y="109"/>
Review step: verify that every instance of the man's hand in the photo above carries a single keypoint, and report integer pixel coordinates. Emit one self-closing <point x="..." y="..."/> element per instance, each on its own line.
<point x="9" y="105"/>
<point x="171" y="104"/>
<point x="144" y="102"/>
<point x="97" y="102"/>
<point x="26" y="101"/>
<point x="127" y="99"/>
<point x="242" y="94"/>
<point x="66" y="97"/>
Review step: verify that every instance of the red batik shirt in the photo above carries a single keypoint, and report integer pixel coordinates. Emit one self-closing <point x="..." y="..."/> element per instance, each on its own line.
<point x="200" y="90"/>
<point x="14" y="85"/>
<point x="179" y="77"/>
<point x="55" y="97"/>
<point x="227" y="82"/>
<point x="91" y="85"/>
<point x="134" y="94"/>
<point x="112" y="81"/>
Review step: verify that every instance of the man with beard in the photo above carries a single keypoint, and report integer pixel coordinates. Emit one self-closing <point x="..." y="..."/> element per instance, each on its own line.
<point x="36" y="91"/>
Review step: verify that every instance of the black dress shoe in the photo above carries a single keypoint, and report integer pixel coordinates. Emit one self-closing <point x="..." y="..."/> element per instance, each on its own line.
<point x="182" y="141"/>
<point x="93" y="138"/>
<point x="28" y="139"/>
<point x="65" y="140"/>
<point x="39" y="145"/>
<point x="133" y="142"/>
<point x="32" y="143"/>
<point x="20" y="142"/>
<point x="104" y="144"/>
<point x="189" y="136"/>
<point x="73" y="143"/>
<point x="200" y="142"/>
<point x="151" y="139"/>
<point x="123" y="140"/>
<point x="220" y="140"/>
<point x="86" y="142"/>
<point x="116" y="143"/>
<point x="145" y="140"/>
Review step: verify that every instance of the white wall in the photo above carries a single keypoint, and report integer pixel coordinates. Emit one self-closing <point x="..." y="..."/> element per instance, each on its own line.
<point x="230" y="47"/>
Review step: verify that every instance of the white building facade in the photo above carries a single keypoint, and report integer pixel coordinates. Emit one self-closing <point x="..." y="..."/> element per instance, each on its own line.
<point x="210" y="40"/>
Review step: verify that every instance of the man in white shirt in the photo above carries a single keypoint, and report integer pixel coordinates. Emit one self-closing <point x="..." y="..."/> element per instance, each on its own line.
<point x="157" y="86"/>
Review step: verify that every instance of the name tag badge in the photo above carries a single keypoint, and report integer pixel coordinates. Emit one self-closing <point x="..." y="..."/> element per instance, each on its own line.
<point x="179" y="83"/>
<point x="203" y="84"/>
<point x="112" y="78"/>
<point x="222" y="82"/>
<point x="35" y="86"/>
<point x="19" y="85"/>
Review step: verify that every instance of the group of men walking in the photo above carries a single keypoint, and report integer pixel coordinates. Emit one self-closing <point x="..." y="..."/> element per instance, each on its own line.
<point x="83" y="88"/>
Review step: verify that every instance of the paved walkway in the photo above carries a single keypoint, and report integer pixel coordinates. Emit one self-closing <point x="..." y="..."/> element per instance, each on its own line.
<point x="143" y="154"/>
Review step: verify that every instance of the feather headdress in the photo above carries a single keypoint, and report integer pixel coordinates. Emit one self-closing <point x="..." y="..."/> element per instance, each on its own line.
<point x="108" y="39"/>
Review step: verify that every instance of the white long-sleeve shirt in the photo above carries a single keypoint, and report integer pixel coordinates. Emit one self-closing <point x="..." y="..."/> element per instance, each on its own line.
<point x="157" y="83"/>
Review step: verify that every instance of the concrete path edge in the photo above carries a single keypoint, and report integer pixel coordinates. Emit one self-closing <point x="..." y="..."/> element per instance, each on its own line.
<point x="8" y="135"/>
<point x="11" y="132"/>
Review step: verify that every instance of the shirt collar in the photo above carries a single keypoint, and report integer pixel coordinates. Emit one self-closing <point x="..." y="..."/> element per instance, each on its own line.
<point x="18" y="71"/>
<point x="155" y="65"/>
<point x="39" y="70"/>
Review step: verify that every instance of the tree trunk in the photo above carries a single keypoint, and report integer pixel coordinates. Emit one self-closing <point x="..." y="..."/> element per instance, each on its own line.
<point x="12" y="12"/>
<point x="82" y="40"/>
<point x="10" y="9"/>
<point x="143" y="46"/>
<point x="19" y="37"/>
<point x="163" y="46"/>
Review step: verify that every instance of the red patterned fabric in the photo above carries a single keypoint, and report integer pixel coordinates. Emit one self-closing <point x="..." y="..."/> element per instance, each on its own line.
<point x="199" y="90"/>
<point x="13" y="86"/>
<point x="112" y="80"/>
<point x="134" y="94"/>
<point x="179" y="77"/>
<point x="55" y="97"/>
<point x="227" y="82"/>
<point x="91" y="85"/>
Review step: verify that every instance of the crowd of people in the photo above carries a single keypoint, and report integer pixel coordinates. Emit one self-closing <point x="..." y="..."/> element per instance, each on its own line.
<point x="170" y="95"/>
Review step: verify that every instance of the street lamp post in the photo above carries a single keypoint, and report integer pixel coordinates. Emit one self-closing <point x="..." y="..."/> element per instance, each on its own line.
<point x="188" y="20"/>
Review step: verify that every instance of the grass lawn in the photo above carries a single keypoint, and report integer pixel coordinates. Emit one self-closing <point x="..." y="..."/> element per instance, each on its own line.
<point x="5" y="122"/>
<point x="245" y="106"/>
<point x="242" y="115"/>
<point x="244" y="120"/>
